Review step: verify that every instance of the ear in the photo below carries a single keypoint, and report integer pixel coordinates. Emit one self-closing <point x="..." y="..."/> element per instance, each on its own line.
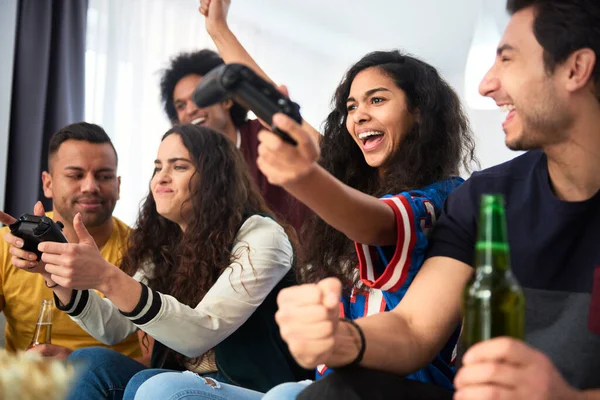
<point x="580" y="69"/>
<point x="227" y="104"/>
<point x="47" y="184"/>
<point x="118" y="188"/>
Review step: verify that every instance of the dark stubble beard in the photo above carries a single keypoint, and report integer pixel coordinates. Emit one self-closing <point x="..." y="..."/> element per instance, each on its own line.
<point x="545" y="123"/>
<point x="90" y="220"/>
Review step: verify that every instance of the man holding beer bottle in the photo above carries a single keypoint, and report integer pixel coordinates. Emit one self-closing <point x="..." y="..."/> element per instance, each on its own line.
<point x="547" y="77"/>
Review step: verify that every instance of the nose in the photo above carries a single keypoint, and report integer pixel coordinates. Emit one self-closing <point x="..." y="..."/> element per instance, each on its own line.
<point x="360" y="115"/>
<point x="490" y="83"/>
<point x="190" y="108"/>
<point x="162" y="176"/>
<point x="90" y="184"/>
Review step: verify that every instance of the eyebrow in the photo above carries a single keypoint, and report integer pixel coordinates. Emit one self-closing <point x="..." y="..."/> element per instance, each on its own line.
<point x="505" y="47"/>
<point x="370" y="92"/>
<point x="79" y="169"/>
<point x="172" y="160"/>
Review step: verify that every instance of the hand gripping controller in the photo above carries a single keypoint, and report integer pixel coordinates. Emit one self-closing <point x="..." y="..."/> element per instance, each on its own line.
<point x="33" y="230"/>
<point x="242" y="85"/>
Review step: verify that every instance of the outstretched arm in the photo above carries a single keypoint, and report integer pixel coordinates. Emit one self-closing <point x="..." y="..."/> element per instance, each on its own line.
<point x="230" y="48"/>
<point x="361" y="217"/>
<point x="228" y="45"/>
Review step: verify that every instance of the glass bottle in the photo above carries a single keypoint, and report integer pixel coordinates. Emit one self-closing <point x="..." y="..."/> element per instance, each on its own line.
<point x="43" y="327"/>
<point x="493" y="301"/>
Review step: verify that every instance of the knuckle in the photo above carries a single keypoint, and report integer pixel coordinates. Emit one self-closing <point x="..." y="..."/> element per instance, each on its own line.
<point x="285" y="332"/>
<point x="281" y="316"/>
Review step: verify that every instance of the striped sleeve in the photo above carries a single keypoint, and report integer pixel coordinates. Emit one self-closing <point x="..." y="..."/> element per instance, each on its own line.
<point x="100" y="317"/>
<point x="146" y="309"/>
<point x="97" y="316"/>
<point x="414" y="218"/>
<point x="79" y="299"/>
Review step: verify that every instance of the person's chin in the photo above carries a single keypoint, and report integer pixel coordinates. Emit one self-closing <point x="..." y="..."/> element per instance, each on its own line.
<point x="376" y="160"/>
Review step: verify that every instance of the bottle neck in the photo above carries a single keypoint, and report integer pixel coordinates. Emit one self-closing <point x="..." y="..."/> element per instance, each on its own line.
<point x="491" y="256"/>
<point x="492" y="250"/>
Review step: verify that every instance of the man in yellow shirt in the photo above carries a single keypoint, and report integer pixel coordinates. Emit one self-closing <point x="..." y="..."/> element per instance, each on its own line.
<point x="82" y="178"/>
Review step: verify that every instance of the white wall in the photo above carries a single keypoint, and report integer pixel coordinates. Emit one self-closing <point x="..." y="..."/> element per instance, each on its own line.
<point x="8" y="25"/>
<point x="306" y="45"/>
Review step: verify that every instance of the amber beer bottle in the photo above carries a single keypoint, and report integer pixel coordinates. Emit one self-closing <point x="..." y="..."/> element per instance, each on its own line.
<point x="43" y="327"/>
<point x="493" y="301"/>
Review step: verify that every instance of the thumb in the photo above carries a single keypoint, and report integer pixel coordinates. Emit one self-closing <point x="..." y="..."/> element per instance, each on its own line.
<point x="331" y="291"/>
<point x="38" y="209"/>
<point x="6" y="219"/>
<point x="283" y="90"/>
<point x="82" y="232"/>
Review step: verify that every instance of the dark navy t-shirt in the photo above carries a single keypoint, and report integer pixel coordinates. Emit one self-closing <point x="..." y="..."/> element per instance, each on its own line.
<point x="555" y="249"/>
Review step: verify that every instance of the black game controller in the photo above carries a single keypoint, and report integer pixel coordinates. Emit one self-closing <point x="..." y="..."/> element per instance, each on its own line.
<point x="242" y="85"/>
<point x="33" y="230"/>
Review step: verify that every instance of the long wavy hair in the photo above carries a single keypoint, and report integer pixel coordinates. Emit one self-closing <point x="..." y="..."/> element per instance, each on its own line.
<point x="436" y="147"/>
<point x="186" y="264"/>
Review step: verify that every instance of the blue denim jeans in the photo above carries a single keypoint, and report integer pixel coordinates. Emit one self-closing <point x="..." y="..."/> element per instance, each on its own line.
<point x="107" y="374"/>
<point x="190" y="386"/>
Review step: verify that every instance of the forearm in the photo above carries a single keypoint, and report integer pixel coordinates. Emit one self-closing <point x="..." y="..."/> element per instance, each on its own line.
<point x="390" y="346"/>
<point x="63" y="294"/>
<point x="232" y="51"/>
<point x="362" y="218"/>
<point x="122" y="290"/>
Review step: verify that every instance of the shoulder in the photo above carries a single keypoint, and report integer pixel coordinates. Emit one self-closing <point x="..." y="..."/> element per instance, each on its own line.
<point x="121" y="229"/>
<point x="261" y="231"/>
<point x="428" y="198"/>
<point x="501" y="178"/>
<point x="518" y="168"/>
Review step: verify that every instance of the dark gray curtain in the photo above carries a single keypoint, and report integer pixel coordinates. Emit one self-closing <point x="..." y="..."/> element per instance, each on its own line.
<point x="47" y="93"/>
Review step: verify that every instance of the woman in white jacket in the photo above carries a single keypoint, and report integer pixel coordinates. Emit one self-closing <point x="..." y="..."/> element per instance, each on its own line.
<point x="205" y="263"/>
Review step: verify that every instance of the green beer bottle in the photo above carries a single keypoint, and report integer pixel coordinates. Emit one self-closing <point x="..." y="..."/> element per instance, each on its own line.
<point x="493" y="302"/>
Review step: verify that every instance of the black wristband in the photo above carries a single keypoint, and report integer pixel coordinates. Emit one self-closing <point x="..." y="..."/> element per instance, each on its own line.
<point x="363" y="343"/>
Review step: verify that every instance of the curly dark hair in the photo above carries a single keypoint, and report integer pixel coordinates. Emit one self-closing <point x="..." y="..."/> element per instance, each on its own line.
<point x="434" y="149"/>
<point x="222" y="195"/>
<point x="199" y="63"/>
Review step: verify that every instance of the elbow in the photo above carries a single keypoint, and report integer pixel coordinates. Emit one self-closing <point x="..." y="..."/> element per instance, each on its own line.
<point x="110" y="340"/>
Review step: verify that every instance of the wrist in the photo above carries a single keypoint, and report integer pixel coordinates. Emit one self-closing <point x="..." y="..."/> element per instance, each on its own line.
<point x="217" y="30"/>
<point x="361" y="342"/>
<point x="309" y="176"/>
<point x="109" y="281"/>
<point x="348" y="348"/>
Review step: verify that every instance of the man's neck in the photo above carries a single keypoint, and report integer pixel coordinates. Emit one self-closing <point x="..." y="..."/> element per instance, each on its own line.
<point x="100" y="233"/>
<point x="574" y="165"/>
<point x="231" y="132"/>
